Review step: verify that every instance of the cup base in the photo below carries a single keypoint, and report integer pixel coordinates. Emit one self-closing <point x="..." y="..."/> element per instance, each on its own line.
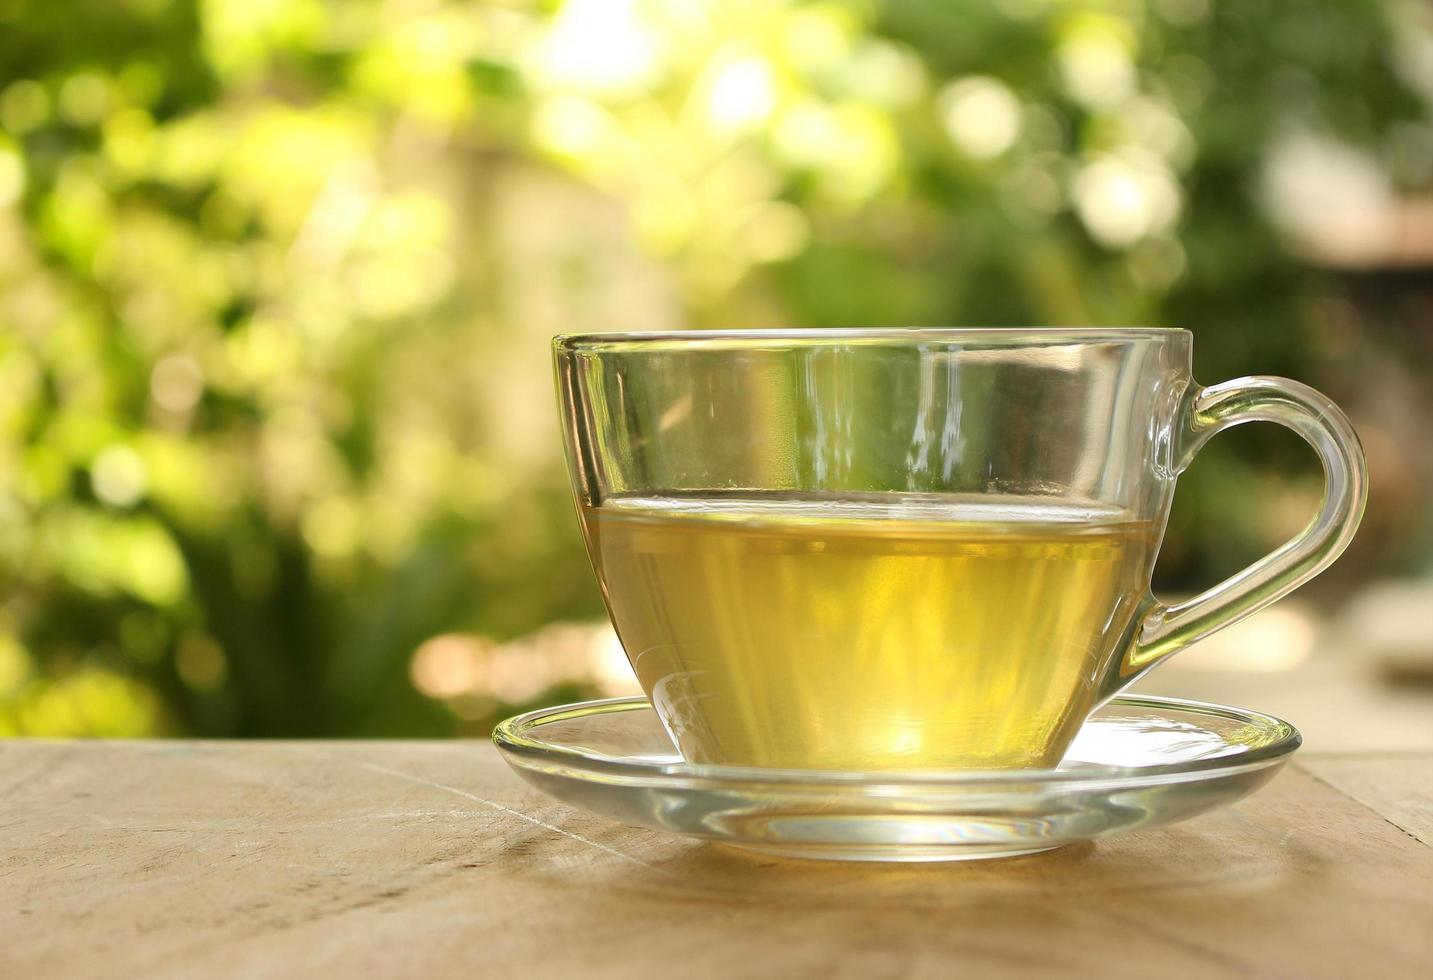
<point x="907" y="854"/>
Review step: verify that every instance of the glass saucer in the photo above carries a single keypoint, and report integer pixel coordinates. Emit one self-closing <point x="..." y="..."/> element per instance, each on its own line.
<point x="1137" y="762"/>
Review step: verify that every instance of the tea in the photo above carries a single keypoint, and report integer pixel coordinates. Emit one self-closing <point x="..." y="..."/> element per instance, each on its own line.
<point x="867" y="634"/>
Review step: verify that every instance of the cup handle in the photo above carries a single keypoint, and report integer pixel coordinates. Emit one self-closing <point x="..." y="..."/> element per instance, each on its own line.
<point x="1166" y="628"/>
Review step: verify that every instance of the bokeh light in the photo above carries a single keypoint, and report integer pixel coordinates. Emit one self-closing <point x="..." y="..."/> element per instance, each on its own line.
<point x="278" y="449"/>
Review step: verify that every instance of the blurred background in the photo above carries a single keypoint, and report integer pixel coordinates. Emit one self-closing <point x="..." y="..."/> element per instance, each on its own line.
<point x="278" y="444"/>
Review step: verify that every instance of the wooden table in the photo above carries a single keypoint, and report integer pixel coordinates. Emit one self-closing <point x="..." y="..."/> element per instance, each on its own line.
<point x="431" y="859"/>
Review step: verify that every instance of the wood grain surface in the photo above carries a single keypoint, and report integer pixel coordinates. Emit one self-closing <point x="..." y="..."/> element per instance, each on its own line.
<point x="431" y="859"/>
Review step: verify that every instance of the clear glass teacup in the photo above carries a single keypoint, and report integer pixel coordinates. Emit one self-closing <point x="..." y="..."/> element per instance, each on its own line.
<point x="908" y="549"/>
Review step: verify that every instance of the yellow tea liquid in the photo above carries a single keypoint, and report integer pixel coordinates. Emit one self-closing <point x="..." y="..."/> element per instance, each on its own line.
<point x="811" y="633"/>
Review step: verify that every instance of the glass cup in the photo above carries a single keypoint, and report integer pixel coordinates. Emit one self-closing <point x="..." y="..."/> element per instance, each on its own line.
<point x="908" y="549"/>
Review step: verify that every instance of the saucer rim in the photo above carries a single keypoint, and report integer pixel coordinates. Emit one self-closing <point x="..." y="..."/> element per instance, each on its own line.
<point x="513" y="738"/>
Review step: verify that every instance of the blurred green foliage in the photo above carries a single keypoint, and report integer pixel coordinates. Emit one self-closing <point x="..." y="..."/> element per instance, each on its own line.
<point x="277" y="276"/>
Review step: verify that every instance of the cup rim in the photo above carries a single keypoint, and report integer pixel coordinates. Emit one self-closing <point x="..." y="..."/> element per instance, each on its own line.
<point x="816" y="336"/>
